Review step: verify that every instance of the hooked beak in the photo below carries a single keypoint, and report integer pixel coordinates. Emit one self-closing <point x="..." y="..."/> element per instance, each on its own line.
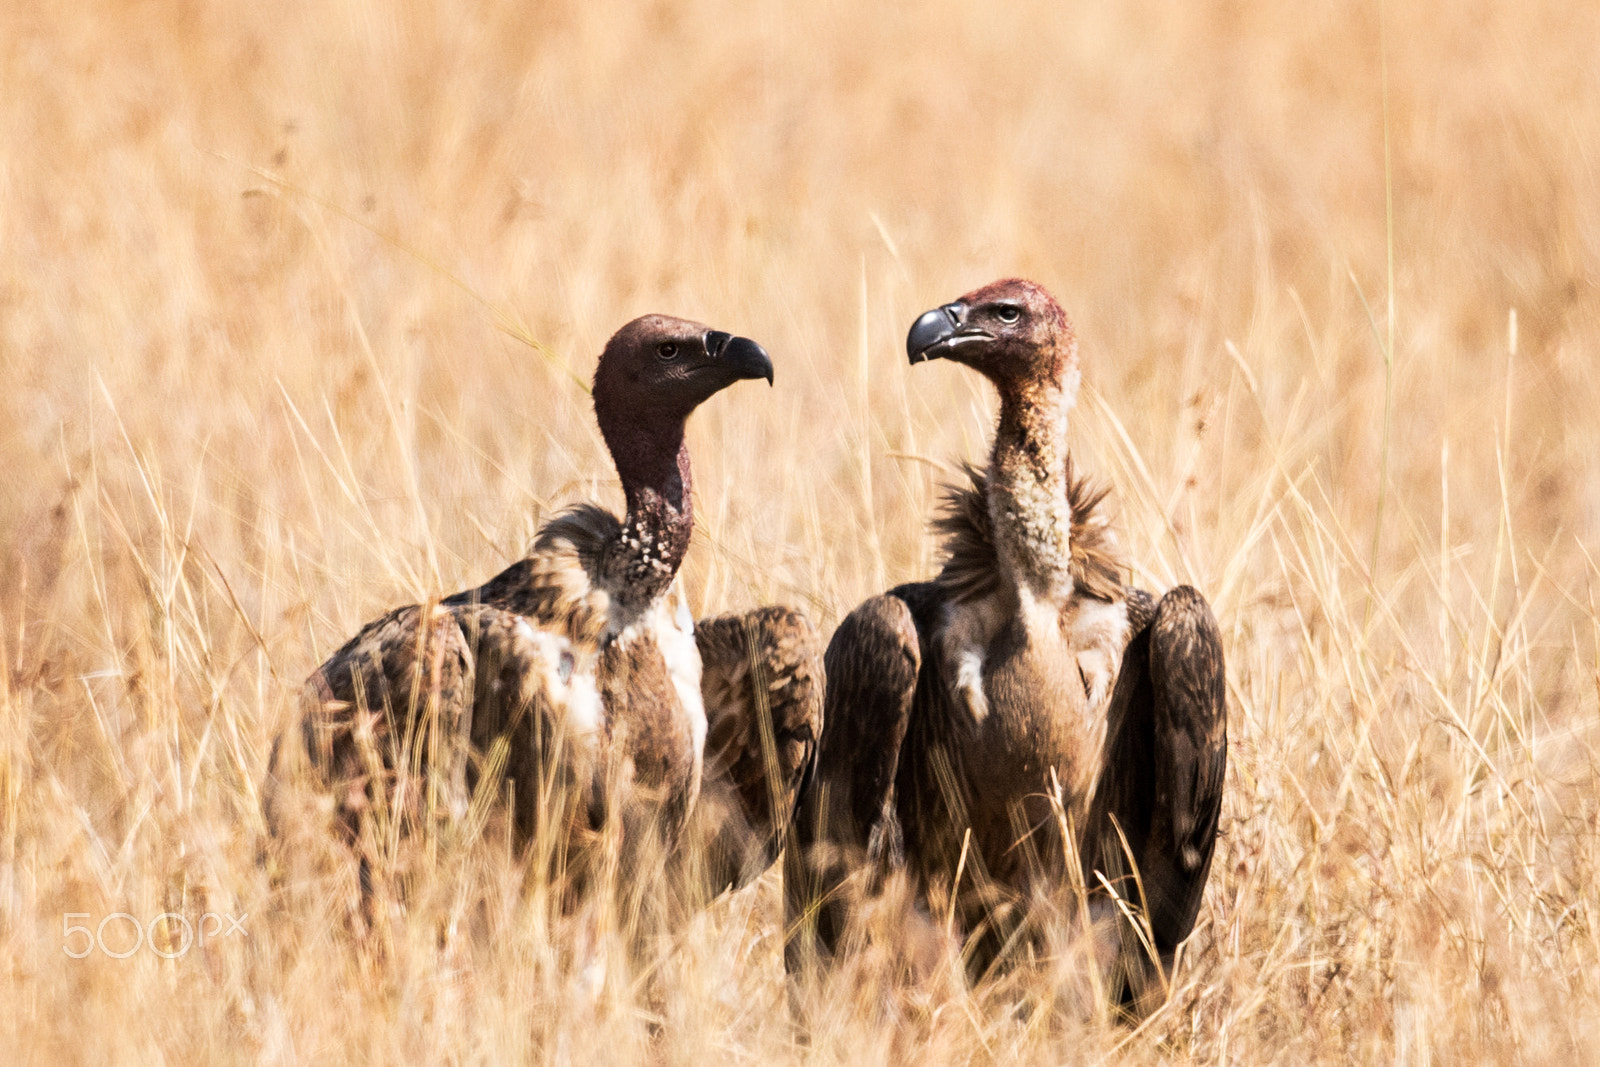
<point x="740" y="356"/>
<point x="939" y="332"/>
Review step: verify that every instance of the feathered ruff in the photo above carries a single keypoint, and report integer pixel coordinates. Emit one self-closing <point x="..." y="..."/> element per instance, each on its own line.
<point x="971" y="569"/>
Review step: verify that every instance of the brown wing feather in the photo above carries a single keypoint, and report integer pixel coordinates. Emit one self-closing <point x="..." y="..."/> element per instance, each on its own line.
<point x="533" y="694"/>
<point x="846" y="812"/>
<point x="1161" y="784"/>
<point x="411" y="707"/>
<point x="394" y="701"/>
<point x="762" y="682"/>
<point x="404" y="712"/>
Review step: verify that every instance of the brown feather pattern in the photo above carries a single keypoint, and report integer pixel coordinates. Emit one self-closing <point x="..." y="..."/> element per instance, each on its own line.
<point x="418" y="692"/>
<point x="762" y="679"/>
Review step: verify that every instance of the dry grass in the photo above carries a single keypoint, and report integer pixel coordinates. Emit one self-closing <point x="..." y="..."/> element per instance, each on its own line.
<point x="255" y="388"/>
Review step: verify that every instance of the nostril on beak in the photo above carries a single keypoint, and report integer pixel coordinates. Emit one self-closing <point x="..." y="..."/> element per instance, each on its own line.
<point x="953" y="312"/>
<point x="716" y="341"/>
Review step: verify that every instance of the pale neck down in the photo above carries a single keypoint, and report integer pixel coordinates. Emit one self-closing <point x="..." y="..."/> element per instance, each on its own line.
<point x="1029" y="506"/>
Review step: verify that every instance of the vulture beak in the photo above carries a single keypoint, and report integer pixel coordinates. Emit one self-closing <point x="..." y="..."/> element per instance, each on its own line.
<point x="740" y="356"/>
<point x="938" y="332"/>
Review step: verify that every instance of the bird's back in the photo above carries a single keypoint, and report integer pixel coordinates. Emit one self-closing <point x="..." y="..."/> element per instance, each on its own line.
<point x="536" y="656"/>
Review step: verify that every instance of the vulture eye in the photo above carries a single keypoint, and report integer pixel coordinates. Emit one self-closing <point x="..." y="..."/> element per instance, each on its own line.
<point x="1008" y="313"/>
<point x="667" y="350"/>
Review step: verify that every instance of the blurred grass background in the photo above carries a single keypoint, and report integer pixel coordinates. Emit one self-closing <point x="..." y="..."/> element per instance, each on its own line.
<point x="266" y="277"/>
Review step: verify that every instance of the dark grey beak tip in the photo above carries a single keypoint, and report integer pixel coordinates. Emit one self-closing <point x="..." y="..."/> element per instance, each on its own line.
<point x="932" y="328"/>
<point x="747" y="359"/>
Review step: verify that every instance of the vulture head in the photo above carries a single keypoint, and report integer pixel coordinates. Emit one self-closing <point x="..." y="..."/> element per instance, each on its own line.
<point x="659" y="367"/>
<point x="653" y="373"/>
<point x="1012" y="331"/>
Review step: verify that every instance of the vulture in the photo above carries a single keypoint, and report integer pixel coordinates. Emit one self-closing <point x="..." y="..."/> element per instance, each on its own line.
<point x="576" y="682"/>
<point x="1024" y="719"/>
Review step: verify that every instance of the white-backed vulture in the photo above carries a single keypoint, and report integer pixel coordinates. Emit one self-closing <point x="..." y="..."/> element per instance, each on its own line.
<point x="578" y="673"/>
<point x="1022" y="691"/>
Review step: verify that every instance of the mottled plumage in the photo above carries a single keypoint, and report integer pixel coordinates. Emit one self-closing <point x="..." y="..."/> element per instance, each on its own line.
<point x="577" y="672"/>
<point x="972" y="718"/>
<point x="763" y="687"/>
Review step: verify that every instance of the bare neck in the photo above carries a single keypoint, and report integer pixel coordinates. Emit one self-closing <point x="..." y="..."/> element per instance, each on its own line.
<point x="1029" y="507"/>
<point x="653" y="461"/>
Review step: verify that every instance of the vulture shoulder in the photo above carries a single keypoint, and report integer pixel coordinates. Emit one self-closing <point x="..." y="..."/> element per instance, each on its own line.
<point x="846" y="814"/>
<point x="762" y="684"/>
<point x="1152" y="825"/>
<point x="560" y="584"/>
<point x="434" y="685"/>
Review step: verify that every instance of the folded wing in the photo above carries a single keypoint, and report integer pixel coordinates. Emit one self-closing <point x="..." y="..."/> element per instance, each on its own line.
<point x="762" y="682"/>
<point x="1156" y="806"/>
<point x="846" y="812"/>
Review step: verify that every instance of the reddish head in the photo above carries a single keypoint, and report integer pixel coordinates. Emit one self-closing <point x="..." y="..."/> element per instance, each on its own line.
<point x="1011" y="331"/>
